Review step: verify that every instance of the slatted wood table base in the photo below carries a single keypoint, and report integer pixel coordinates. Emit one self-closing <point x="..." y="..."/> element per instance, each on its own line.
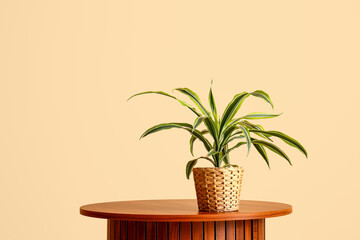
<point x="219" y="230"/>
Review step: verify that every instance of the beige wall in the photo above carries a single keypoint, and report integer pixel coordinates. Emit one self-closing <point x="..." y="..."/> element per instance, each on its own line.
<point x="68" y="137"/>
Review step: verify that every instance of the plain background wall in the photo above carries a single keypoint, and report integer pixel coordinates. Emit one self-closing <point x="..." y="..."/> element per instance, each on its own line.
<point x="68" y="137"/>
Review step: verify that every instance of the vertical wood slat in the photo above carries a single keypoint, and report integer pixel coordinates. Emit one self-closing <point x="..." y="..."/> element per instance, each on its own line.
<point x="220" y="230"/>
<point x="240" y="227"/>
<point x="131" y="230"/>
<point x="140" y="230"/>
<point x="230" y="230"/>
<point x="255" y="229"/>
<point x="248" y="233"/>
<point x="185" y="230"/>
<point x="151" y="230"/>
<point x="173" y="231"/>
<point x="197" y="230"/>
<point x="116" y="229"/>
<point x="261" y="228"/>
<point x="123" y="230"/>
<point x="162" y="231"/>
<point x="209" y="232"/>
<point x="110" y="229"/>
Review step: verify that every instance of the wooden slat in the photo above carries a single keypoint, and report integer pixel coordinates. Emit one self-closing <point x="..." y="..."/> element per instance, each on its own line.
<point x="151" y="230"/>
<point x="255" y="229"/>
<point x="230" y="230"/>
<point x="248" y="230"/>
<point x="110" y="229"/>
<point x="161" y="231"/>
<point x="261" y="229"/>
<point x="123" y="230"/>
<point x="131" y="230"/>
<point x="240" y="233"/>
<point x="116" y="229"/>
<point x="140" y="230"/>
<point x="209" y="231"/>
<point x="173" y="231"/>
<point x="220" y="230"/>
<point x="185" y="230"/>
<point x="197" y="230"/>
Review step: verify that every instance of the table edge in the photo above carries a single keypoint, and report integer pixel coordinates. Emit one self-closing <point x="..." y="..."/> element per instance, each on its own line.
<point x="187" y="218"/>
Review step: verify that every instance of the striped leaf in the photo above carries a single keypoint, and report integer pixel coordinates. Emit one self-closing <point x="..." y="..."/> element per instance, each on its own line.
<point x="287" y="139"/>
<point x="189" y="166"/>
<point x="255" y="127"/>
<point x="211" y="126"/>
<point x="195" y="98"/>
<point x="262" y="152"/>
<point x="231" y="109"/>
<point x="165" y="126"/>
<point x="260" y="115"/>
<point x="213" y="105"/>
<point x="235" y="137"/>
<point x="185" y="126"/>
<point x="212" y="152"/>
<point x="192" y="140"/>
<point x="273" y="148"/>
<point x="168" y="95"/>
<point x="232" y="148"/>
<point x="263" y="95"/>
<point x="247" y="136"/>
<point x="197" y="122"/>
<point x="226" y="136"/>
<point x="201" y="137"/>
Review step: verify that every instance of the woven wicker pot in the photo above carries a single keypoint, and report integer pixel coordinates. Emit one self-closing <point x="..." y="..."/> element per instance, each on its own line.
<point x="218" y="189"/>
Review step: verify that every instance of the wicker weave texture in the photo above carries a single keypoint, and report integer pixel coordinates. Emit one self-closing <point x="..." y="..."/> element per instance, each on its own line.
<point x="218" y="189"/>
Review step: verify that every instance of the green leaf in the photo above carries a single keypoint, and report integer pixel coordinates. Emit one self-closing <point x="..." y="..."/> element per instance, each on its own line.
<point x="189" y="166"/>
<point x="231" y="165"/>
<point x="259" y="115"/>
<point x="201" y="137"/>
<point x="256" y="127"/>
<point x="186" y="126"/>
<point x="273" y="148"/>
<point x="211" y="126"/>
<point x="168" y="95"/>
<point x="165" y="126"/>
<point x="263" y="95"/>
<point x="231" y="149"/>
<point x="195" y="98"/>
<point x="262" y="152"/>
<point x="236" y="146"/>
<point x="231" y="109"/>
<point x="213" y="105"/>
<point x="247" y="136"/>
<point x="197" y="122"/>
<point x="192" y="140"/>
<point x="235" y="137"/>
<point x="212" y="152"/>
<point x="226" y="136"/>
<point x="287" y="139"/>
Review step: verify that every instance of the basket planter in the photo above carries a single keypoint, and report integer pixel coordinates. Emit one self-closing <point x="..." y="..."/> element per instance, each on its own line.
<point x="218" y="188"/>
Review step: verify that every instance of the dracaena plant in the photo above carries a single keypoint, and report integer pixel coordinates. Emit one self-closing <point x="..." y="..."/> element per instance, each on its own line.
<point x="227" y="132"/>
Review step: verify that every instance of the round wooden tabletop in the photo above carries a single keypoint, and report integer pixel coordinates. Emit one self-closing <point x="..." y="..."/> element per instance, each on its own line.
<point x="181" y="210"/>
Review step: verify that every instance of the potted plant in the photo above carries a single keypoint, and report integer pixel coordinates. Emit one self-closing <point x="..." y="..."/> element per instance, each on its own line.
<point x="218" y="187"/>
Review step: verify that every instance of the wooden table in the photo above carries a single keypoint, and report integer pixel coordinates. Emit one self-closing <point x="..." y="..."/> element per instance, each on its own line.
<point x="180" y="219"/>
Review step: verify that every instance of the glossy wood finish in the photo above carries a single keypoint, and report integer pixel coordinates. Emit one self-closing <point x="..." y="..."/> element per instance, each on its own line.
<point x="180" y="220"/>
<point x="181" y="211"/>
<point x="220" y="230"/>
